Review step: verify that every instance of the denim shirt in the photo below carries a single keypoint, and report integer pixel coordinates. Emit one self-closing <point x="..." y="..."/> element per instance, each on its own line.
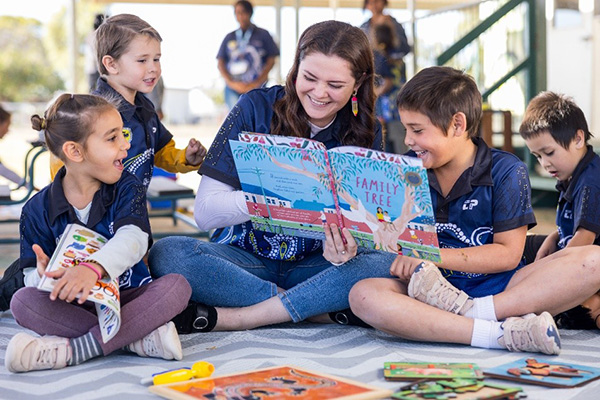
<point x="143" y="130"/>
<point x="579" y="200"/>
<point x="492" y="196"/>
<point x="46" y="215"/>
<point x="253" y="113"/>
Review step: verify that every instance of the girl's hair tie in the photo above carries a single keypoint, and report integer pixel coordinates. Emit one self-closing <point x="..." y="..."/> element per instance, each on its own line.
<point x="43" y="123"/>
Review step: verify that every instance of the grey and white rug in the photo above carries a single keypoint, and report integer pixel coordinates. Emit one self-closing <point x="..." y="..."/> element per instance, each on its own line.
<point x="351" y="352"/>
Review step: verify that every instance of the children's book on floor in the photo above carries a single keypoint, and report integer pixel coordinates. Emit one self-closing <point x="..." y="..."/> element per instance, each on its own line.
<point x="420" y="370"/>
<point x="295" y="185"/>
<point x="457" y="389"/>
<point x="552" y="373"/>
<point x="77" y="244"/>
<point x="280" y="382"/>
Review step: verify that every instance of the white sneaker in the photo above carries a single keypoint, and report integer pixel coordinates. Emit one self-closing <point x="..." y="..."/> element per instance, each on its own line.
<point x="531" y="333"/>
<point x="29" y="353"/>
<point x="429" y="286"/>
<point x="163" y="342"/>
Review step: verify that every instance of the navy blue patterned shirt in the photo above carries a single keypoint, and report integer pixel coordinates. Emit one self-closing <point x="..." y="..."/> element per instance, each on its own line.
<point x="579" y="200"/>
<point x="46" y="215"/>
<point x="253" y="113"/>
<point x="492" y="196"/>
<point x="142" y="128"/>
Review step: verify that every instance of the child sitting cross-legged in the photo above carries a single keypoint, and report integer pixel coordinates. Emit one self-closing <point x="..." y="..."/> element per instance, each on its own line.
<point x="86" y="133"/>
<point x="480" y="293"/>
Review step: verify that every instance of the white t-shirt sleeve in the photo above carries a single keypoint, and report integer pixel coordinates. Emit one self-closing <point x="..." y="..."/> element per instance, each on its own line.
<point x="125" y="249"/>
<point x="219" y="205"/>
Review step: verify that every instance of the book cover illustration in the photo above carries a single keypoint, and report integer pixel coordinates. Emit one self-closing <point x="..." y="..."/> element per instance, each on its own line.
<point x="419" y="370"/>
<point x="457" y="389"/>
<point x="294" y="186"/>
<point x="76" y="244"/>
<point x="545" y="373"/>
<point x="281" y="383"/>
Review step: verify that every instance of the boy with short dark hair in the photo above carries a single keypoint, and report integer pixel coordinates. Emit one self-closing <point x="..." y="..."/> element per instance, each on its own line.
<point x="481" y="198"/>
<point x="556" y="132"/>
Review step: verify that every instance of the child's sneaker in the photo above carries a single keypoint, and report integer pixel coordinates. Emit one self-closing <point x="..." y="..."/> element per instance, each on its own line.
<point x="531" y="333"/>
<point x="163" y="342"/>
<point x="429" y="286"/>
<point x="29" y="353"/>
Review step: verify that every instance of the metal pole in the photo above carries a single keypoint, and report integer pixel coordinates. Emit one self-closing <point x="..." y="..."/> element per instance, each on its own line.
<point x="72" y="45"/>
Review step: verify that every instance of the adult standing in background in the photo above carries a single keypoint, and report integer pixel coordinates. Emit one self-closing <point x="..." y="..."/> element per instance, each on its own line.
<point x="246" y="55"/>
<point x="400" y="46"/>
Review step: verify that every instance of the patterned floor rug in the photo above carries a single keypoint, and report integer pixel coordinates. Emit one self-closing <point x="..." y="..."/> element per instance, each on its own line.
<point x="350" y="352"/>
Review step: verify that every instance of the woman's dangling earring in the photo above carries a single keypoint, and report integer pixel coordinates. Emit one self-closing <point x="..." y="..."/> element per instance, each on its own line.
<point x="354" y="104"/>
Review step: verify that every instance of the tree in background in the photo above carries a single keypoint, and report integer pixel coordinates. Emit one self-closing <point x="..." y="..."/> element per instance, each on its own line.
<point x="25" y="71"/>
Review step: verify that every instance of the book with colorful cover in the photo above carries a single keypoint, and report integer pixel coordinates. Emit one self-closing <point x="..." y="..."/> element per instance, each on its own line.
<point x="278" y="383"/>
<point x="294" y="186"/>
<point x="545" y="372"/>
<point x="76" y="244"/>
<point x="420" y="370"/>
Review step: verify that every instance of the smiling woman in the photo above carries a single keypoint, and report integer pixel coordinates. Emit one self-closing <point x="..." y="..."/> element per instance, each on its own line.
<point x="274" y="277"/>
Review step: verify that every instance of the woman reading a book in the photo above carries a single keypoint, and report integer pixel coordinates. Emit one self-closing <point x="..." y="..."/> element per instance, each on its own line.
<point x="244" y="278"/>
<point x="86" y="133"/>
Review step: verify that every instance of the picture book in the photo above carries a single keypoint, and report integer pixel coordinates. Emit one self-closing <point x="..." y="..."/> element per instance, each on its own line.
<point x="295" y="186"/>
<point x="281" y="383"/>
<point x="76" y="244"/>
<point x="550" y="373"/>
<point x="419" y="370"/>
<point x="457" y="389"/>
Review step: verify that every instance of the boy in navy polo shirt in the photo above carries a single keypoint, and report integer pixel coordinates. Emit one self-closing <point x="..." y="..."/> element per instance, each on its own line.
<point x="481" y="198"/>
<point x="128" y="51"/>
<point x="556" y="133"/>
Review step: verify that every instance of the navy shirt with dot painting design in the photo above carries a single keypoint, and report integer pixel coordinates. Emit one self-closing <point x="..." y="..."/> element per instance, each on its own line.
<point x="492" y="196"/>
<point x="253" y="113"/>
<point x="579" y="201"/>
<point x="46" y="215"/>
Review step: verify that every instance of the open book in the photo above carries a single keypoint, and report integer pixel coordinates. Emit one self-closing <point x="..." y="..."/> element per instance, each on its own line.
<point x="294" y="186"/>
<point x="76" y="244"/>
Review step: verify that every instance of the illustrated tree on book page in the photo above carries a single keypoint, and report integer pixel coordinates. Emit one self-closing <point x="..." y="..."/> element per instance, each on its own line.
<point x="294" y="186"/>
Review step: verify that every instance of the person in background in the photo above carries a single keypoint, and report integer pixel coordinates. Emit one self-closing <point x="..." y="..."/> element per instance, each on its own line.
<point x="245" y="56"/>
<point x="400" y="46"/>
<point x="387" y="86"/>
<point x="92" y="189"/>
<point x="6" y="172"/>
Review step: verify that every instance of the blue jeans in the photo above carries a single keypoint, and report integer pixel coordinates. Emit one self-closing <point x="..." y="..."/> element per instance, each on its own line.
<point x="227" y="276"/>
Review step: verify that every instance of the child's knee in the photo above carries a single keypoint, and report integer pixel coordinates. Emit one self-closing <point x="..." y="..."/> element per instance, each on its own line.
<point x="361" y="294"/>
<point x="179" y="286"/>
<point x="22" y="301"/>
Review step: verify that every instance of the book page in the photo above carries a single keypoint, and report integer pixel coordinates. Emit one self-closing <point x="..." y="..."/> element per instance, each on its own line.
<point x="275" y="140"/>
<point x="287" y="189"/>
<point x="76" y="244"/>
<point x="385" y="201"/>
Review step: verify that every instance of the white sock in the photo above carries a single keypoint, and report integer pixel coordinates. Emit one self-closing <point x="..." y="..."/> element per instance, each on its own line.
<point x="483" y="308"/>
<point x="486" y="334"/>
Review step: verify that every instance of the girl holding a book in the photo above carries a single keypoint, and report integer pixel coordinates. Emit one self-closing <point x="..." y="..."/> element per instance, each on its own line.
<point x="244" y="278"/>
<point x="86" y="133"/>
